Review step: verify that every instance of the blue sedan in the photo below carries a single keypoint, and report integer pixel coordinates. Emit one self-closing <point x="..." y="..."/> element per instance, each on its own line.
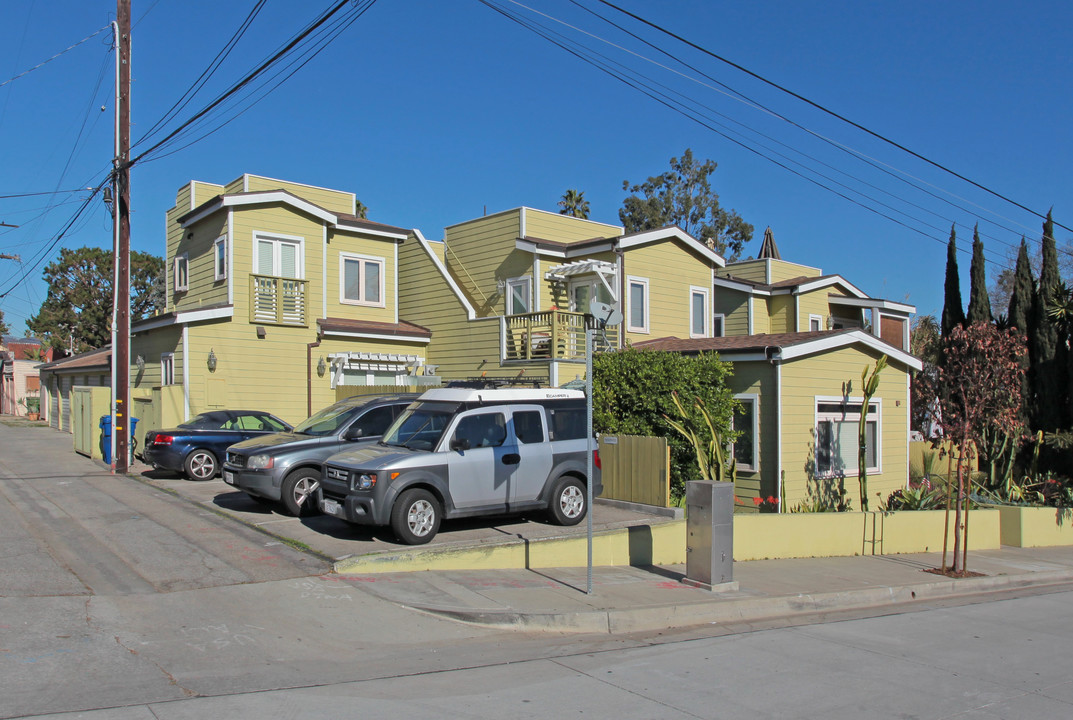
<point x="198" y="447"/>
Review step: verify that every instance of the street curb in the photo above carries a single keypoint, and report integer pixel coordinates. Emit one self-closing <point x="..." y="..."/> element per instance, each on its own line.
<point x="741" y="610"/>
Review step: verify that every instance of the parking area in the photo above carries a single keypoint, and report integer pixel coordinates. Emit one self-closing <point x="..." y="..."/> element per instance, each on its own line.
<point x="337" y="539"/>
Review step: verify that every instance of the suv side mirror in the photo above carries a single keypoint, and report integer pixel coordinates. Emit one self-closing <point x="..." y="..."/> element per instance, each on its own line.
<point x="459" y="443"/>
<point x="355" y="433"/>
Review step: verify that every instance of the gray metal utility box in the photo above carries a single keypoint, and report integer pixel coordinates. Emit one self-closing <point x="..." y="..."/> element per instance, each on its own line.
<point x="710" y="534"/>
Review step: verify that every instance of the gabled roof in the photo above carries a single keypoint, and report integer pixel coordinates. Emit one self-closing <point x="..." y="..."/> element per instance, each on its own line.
<point x="342" y="221"/>
<point x="100" y="359"/>
<point x="670" y="231"/>
<point x="792" y="286"/>
<point x="780" y="346"/>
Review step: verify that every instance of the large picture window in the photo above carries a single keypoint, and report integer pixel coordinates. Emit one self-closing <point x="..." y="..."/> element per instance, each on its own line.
<point x="837" y="427"/>
<point x="361" y="280"/>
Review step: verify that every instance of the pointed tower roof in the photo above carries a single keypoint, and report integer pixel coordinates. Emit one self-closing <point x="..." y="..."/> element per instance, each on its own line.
<point x="769" y="249"/>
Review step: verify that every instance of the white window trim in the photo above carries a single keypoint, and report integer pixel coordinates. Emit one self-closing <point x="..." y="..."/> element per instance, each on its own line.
<point x="849" y="417"/>
<point x="753" y="398"/>
<point x="511" y="283"/>
<point x="722" y="324"/>
<point x="630" y="281"/>
<point x="182" y="261"/>
<point x="817" y="318"/>
<point x="295" y="239"/>
<point x="167" y="368"/>
<point x="221" y="272"/>
<point x="382" y="262"/>
<point x="706" y="329"/>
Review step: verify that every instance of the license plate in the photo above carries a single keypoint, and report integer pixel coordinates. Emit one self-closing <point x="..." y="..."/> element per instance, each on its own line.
<point x="331" y="507"/>
<point x="229" y="478"/>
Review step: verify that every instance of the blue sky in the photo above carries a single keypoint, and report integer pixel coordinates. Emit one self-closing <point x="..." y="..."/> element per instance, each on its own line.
<point x="434" y="112"/>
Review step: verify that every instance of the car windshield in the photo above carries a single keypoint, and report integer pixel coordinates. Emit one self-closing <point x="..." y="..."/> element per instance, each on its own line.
<point x="419" y="427"/>
<point x="329" y="420"/>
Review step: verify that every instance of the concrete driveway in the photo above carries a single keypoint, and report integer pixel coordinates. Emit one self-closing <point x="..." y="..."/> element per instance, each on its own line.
<point x="337" y="540"/>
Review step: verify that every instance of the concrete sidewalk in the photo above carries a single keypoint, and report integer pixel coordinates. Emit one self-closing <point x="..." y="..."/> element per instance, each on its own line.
<point x="634" y="599"/>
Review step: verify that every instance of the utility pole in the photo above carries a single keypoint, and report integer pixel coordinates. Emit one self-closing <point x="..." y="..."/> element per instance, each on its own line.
<point x="121" y="182"/>
<point x="16" y="258"/>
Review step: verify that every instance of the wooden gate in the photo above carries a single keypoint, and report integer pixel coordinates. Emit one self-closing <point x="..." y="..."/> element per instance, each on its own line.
<point x="636" y="469"/>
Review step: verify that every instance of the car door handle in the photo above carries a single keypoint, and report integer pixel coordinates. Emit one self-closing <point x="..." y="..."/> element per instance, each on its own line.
<point x="512" y="459"/>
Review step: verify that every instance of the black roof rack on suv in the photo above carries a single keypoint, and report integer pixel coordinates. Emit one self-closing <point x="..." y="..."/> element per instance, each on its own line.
<point x="488" y="383"/>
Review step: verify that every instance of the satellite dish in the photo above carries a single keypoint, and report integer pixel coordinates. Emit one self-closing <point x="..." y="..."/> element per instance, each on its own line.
<point x="608" y="315"/>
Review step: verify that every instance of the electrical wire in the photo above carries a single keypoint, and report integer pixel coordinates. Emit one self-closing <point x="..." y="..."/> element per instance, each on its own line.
<point x="45" y="62"/>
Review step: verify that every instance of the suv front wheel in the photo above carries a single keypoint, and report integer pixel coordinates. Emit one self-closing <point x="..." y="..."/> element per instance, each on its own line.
<point x="415" y="517"/>
<point x="568" y="501"/>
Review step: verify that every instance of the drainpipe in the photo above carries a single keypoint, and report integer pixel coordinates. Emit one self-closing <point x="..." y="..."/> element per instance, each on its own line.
<point x="309" y="376"/>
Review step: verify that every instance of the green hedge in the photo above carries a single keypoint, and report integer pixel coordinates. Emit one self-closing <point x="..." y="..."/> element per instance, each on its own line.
<point x="632" y="392"/>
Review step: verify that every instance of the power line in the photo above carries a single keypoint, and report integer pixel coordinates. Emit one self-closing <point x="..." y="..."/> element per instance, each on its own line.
<point x="832" y="113"/>
<point x="45" y="62"/>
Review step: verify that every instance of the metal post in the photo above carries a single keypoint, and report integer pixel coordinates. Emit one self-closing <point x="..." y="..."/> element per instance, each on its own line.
<point x="588" y="454"/>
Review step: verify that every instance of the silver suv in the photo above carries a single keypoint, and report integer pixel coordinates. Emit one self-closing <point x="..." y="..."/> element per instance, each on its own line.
<point x="460" y="452"/>
<point x="285" y="467"/>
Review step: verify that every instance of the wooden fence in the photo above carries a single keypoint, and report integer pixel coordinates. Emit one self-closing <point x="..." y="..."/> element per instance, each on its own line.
<point x="636" y="469"/>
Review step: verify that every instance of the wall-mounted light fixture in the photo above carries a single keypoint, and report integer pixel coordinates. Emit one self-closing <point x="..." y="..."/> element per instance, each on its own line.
<point x="321" y="367"/>
<point x="212" y="360"/>
<point x="140" y="362"/>
<point x="501" y="286"/>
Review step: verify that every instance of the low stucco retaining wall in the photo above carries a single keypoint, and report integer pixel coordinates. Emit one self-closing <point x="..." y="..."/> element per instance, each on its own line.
<point x="756" y="537"/>
<point x="1036" y="526"/>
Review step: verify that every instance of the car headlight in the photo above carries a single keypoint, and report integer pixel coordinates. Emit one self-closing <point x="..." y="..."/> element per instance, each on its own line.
<point x="260" y="462"/>
<point x="365" y="481"/>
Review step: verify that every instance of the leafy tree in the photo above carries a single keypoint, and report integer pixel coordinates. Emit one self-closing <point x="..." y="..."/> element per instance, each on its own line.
<point x="1023" y="290"/>
<point x="633" y="395"/>
<point x="952" y="312"/>
<point x="683" y="196"/>
<point x="979" y="303"/>
<point x="574" y="204"/>
<point x="924" y="338"/>
<point x="4" y="329"/>
<point x="77" y="311"/>
<point x="360" y="210"/>
<point x="978" y="389"/>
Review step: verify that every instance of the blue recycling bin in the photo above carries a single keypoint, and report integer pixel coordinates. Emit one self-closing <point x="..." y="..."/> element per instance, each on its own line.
<point x="106" y="437"/>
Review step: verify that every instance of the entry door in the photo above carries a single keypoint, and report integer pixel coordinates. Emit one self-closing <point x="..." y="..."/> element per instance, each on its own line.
<point x="479" y="476"/>
<point x="583" y="292"/>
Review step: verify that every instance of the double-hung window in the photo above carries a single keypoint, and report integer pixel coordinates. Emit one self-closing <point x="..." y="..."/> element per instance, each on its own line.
<point x="361" y="280"/>
<point x="698" y="312"/>
<point x="637" y="299"/>
<point x="219" y="254"/>
<point x="519" y="296"/>
<point x="837" y="436"/>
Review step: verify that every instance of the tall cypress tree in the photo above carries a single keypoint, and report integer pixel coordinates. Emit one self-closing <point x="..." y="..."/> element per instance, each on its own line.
<point x="1047" y="379"/>
<point x="1024" y="288"/>
<point x="979" y="302"/>
<point x="952" y="311"/>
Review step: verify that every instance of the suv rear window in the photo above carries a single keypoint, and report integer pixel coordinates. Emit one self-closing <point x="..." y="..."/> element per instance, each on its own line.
<point x="568" y="424"/>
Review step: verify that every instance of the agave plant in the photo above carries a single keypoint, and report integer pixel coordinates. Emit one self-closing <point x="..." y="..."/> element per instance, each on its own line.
<point x="710" y="447"/>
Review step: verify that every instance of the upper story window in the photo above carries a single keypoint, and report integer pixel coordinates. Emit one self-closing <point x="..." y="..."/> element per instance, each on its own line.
<point x="219" y="254"/>
<point x="815" y="323"/>
<point x="278" y="256"/>
<point x="519" y="296"/>
<point x="698" y="312"/>
<point x="167" y="369"/>
<point x="182" y="273"/>
<point x="719" y="325"/>
<point x="637" y="298"/>
<point x="361" y="280"/>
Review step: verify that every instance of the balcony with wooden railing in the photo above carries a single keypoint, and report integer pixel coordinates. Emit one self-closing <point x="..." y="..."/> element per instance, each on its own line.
<point x="552" y="335"/>
<point x="277" y="300"/>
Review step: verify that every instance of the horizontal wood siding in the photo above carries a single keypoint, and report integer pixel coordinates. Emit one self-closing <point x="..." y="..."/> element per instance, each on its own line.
<point x="565" y="228"/>
<point x="671" y="270"/>
<point x="780" y="310"/>
<point x="331" y="200"/>
<point x="203" y="192"/>
<point x="734" y="306"/>
<point x="824" y="375"/>
<point x="198" y="243"/>
<point x="758" y="378"/>
<point x="366" y="246"/>
<point x="480" y="252"/>
<point x="813" y="303"/>
<point x="151" y="345"/>
<point x="783" y="270"/>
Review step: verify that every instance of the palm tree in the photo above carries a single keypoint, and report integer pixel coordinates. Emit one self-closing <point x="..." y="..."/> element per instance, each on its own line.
<point x="574" y="203"/>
